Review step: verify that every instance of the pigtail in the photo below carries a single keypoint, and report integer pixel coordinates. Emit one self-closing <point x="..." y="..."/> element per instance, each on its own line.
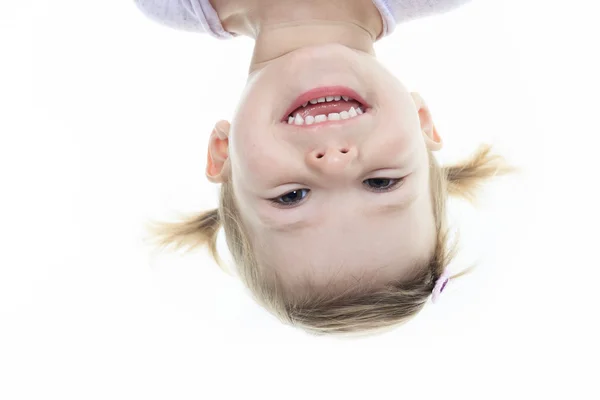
<point x="465" y="178"/>
<point x="191" y="231"/>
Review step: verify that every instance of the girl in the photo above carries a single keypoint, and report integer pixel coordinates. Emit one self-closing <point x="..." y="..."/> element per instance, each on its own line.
<point x="332" y="201"/>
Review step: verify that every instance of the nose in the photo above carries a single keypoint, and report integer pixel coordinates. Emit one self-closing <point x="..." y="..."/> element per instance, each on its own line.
<point x="331" y="159"/>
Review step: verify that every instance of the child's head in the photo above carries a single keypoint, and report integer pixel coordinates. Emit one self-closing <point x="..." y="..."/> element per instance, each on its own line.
<point x="337" y="226"/>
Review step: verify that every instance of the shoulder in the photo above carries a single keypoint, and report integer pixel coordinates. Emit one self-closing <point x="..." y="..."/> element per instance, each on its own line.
<point x="187" y="15"/>
<point x="394" y="12"/>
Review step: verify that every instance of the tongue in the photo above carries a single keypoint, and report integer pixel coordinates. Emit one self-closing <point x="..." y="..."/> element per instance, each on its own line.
<point x="325" y="108"/>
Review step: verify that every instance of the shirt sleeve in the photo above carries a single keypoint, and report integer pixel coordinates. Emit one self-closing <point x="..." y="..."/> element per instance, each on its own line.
<point x="188" y="15"/>
<point x="394" y="12"/>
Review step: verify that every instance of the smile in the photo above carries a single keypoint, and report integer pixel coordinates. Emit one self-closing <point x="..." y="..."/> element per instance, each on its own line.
<point x="328" y="104"/>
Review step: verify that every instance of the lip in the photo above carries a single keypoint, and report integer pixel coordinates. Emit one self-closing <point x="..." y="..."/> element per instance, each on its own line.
<point x="324" y="92"/>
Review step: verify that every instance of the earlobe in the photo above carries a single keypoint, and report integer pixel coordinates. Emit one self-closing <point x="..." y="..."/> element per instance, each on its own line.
<point x="217" y="158"/>
<point x="432" y="138"/>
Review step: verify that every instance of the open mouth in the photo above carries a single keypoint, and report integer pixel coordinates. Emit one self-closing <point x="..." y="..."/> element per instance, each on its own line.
<point x="333" y="107"/>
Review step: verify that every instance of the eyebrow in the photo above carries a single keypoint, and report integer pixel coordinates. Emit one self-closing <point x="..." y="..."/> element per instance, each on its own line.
<point x="295" y="226"/>
<point x="385" y="209"/>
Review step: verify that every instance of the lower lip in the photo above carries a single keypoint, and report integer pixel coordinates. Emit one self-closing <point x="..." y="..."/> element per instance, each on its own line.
<point x="324" y="92"/>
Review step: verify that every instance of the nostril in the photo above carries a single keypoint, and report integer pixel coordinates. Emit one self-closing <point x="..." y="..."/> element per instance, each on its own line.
<point x="343" y="151"/>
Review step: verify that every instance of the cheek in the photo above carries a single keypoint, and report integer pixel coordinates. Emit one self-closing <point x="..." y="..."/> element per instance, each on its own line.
<point x="399" y="136"/>
<point x="253" y="157"/>
<point x="249" y="144"/>
<point x="248" y="157"/>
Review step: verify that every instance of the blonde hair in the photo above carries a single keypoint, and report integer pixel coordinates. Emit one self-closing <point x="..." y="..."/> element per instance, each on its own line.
<point x="358" y="309"/>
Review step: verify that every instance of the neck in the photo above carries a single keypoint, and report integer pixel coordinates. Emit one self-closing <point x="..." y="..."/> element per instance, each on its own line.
<point x="282" y="26"/>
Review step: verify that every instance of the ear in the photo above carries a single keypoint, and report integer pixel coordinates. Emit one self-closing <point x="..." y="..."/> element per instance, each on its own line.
<point x="217" y="160"/>
<point x="432" y="137"/>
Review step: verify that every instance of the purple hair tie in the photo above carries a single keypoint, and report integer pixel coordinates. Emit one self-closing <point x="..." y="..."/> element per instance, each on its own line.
<point x="440" y="285"/>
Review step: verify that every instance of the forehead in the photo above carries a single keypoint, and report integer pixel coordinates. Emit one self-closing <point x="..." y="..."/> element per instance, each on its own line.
<point x="347" y="246"/>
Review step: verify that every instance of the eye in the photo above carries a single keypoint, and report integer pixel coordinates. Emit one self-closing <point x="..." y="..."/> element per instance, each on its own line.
<point x="291" y="198"/>
<point x="382" y="184"/>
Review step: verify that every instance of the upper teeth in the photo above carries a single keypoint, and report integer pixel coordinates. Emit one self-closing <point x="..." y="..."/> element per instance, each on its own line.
<point x="309" y="120"/>
<point x="327" y="99"/>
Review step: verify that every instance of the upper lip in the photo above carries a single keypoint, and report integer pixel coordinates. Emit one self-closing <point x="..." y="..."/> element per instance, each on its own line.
<point x="323" y="92"/>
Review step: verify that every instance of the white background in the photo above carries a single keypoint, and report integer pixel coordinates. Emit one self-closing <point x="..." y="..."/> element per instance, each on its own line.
<point x="104" y="120"/>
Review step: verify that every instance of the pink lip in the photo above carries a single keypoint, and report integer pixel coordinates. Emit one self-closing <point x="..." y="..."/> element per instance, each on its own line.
<point x="323" y="92"/>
